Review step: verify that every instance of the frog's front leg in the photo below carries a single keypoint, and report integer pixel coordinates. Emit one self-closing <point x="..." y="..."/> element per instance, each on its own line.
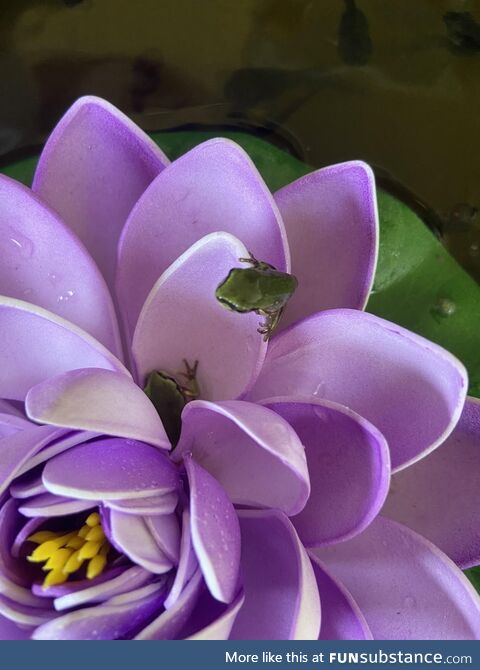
<point x="254" y="262"/>
<point x="272" y="318"/>
<point x="191" y="390"/>
<point x="251" y="260"/>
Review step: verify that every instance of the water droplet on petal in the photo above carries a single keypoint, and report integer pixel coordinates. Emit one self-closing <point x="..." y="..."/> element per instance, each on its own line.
<point x="54" y="278"/>
<point x="65" y="297"/>
<point x="21" y="243"/>
<point x="320" y="389"/>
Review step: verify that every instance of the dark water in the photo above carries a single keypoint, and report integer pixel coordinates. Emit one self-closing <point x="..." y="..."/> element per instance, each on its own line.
<point x="395" y="83"/>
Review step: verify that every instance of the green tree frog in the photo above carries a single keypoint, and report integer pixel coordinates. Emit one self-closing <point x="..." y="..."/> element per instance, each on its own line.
<point x="261" y="289"/>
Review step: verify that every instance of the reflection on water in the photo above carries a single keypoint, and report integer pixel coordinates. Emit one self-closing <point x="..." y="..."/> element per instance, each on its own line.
<point x="397" y="83"/>
<point x="463" y="31"/>
<point x="354" y="42"/>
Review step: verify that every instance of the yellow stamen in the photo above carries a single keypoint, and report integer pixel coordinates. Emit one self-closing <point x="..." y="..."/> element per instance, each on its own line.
<point x="58" y="559"/>
<point x="84" y="530"/>
<point x="46" y="549"/>
<point x="93" y="519"/>
<point x="95" y="566"/>
<point x="95" y="535"/>
<point x="73" y="563"/>
<point x="63" y="553"/>
<point x="42" y="536"/>
<point x="76" y="542"/>
<point x="54" y="577"/>
<point x="89" y="549"/>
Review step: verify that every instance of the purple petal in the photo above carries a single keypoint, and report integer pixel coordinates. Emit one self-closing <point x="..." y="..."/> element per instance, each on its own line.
<point x="97" y="400"/>
<point x="10" y="523"/>
<point x="331" y="221"/>
<point x="215" y="532"/>
<point x="45" y="264"/>
<point x="110" y="469"/>
<point x="341" y="616"/>
<point x="17" y="449"/>
<point x="8" y="408"/>
<point x="15" y="576"/>
<point x="69" y="587"/>
<point x="92" y="170"/>
<point x="61" y="441"/>
<point x="411" y="389"/>
<point x="11" y="424"/>
<point x="254" y="453"/>
<point x="406" y="588"/>
<point x="22" y="595"/>
<point x="165" y="530"/>
<point x="221" y="627"/>
<point x="141" y="592"/>
<point x="281" y="596"/>
<point x="10" y="631"/>
<point x="170" y="622"/>
<point x="211" y="619"/>
<point x="37" y="344"/>
<point x="349" y="466"/>
<point x="182" y="319"/>
<point x="27" y="487"/>
<point x="103" y="622"/>
<point x="439" y="497"/>
<point x="132" y="578"/>
<point x="29" y="527"/>
<point x="214" y="187"/>
<point x="187" y="563"/>
<point x="23" y="615"/>
<point x="164" y="504"/>
<point x="48" y="505"/>
<point x="132" y="537"/>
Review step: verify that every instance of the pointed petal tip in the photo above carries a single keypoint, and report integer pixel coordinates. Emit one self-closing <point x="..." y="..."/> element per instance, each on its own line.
<point x="103" y="162"/>
<point x="331" y="221"/>
<point x="212" y="187"/>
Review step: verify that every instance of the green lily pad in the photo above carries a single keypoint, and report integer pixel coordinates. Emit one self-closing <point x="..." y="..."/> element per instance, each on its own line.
<point x="418" y="284"/>
<point x="21" y="170"/>
<point x="473" y="575"/>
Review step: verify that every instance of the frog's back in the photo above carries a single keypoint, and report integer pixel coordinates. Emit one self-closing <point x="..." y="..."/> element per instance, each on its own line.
<point x="251" y="289"/>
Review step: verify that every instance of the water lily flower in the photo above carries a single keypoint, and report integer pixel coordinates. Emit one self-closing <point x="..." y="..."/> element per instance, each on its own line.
<point x="322" y="483"/>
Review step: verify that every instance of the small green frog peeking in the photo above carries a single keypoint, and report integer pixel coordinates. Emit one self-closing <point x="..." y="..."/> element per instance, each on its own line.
<point x="169" y="397"/>
<point x="261" y="289"/>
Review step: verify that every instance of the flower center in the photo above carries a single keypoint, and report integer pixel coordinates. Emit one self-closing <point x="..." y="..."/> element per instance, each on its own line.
<point x="63" y="554"/>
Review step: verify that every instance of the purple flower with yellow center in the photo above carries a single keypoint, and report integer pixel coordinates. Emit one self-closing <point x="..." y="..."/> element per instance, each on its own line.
<point x="183" y="475"/>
